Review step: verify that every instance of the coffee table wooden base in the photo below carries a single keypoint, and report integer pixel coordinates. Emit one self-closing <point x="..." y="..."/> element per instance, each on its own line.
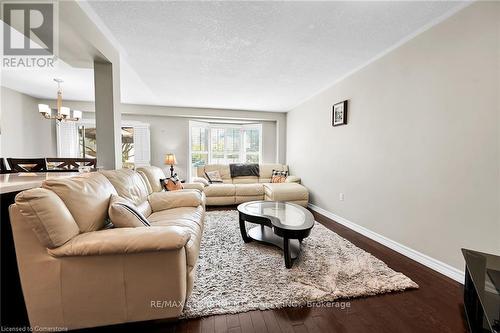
<point x="280" y="224"/>
<point x="290" y="247"/>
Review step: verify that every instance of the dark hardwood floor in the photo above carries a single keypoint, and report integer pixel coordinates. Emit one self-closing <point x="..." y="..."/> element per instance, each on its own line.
<point x="436" y="306"/>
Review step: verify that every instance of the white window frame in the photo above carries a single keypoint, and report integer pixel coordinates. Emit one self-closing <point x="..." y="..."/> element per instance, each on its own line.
<point x="210" y="126"/>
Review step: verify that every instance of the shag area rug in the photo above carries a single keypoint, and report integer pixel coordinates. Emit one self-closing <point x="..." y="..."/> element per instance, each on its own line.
<point x="233" y="276"/>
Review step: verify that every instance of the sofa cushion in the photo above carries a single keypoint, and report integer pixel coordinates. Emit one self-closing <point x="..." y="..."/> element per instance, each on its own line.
<point x="249" y="189"/>
<point x="194" y="214"/>
<point x="86" y="196"/>
<point x="220" y="190"/>
<point x="48" y="216"/>
<point x="129" y="184"/>
<point x="124" y="214"/>
<point x="286" y="192"/>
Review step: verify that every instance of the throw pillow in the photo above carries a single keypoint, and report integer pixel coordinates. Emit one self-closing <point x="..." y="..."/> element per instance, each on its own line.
<point x="279" y="176"/>
<point x="171" y="184"/>
<point x="124" y="214"/>
<point x="213" y="176"/>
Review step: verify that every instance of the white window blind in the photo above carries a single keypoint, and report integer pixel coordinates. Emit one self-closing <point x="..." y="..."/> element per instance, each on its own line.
<point x="142" y="145"/>
<point x="67" y="139"/>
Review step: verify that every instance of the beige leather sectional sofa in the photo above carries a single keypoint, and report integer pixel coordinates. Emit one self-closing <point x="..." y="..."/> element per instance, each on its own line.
<point x="76" y="273"/>
<point x="242" y="189"/>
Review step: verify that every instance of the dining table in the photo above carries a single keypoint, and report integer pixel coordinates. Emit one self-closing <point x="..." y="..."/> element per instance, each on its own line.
<point x="12" y="307"/>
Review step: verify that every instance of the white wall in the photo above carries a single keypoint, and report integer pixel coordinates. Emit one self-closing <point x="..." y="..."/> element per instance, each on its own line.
<point x="24" y="133"/>
<point x="418" y="161"/>
<point x="270" y="142"/>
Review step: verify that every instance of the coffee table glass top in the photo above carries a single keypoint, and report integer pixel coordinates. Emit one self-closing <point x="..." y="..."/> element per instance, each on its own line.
<point x="289" y="215"/>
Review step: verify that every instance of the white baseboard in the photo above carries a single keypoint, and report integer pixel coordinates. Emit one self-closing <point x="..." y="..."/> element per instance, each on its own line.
<point x="432" y="263"/>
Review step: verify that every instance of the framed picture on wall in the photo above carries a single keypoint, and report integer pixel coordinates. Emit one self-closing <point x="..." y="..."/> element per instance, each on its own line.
<point x="339" y="114"/>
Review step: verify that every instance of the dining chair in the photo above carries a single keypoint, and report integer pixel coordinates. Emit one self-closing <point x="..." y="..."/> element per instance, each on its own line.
<point x="70" y="163"/>
<point x="27" y="164"/>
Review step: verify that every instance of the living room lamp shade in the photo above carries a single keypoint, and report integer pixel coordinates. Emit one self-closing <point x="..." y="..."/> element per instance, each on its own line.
<point x="170" y="160"/>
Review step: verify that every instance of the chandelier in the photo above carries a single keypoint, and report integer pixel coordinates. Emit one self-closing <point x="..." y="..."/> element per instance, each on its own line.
<point x="60" y="112"/>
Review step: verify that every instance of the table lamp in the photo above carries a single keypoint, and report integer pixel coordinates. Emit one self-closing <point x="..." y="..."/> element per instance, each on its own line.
<point x="170" y="160"/>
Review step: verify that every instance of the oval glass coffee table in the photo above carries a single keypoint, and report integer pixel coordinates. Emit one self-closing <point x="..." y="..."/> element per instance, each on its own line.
<point x="282" y="224"/>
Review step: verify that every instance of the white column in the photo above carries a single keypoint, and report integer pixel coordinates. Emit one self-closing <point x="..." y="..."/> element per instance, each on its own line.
<point x="107" y="115"/>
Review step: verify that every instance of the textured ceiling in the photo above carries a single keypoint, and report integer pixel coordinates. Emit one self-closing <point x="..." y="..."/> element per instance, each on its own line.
<point x="267" y="56"/>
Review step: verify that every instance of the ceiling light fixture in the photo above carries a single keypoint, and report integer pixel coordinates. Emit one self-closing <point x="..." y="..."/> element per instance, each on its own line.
<point x="60" y="112"/>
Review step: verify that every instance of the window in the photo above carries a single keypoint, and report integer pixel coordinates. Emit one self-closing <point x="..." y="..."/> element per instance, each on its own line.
<point x="128" y="147"/>
<point x="79" y="140"/>
<point x="87" y="142"/>
<point x="224" y="144"/>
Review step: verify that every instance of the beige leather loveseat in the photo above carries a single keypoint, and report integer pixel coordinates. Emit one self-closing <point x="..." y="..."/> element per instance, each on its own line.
<point x="75" y="272"/>
<point x="235" y="190"/>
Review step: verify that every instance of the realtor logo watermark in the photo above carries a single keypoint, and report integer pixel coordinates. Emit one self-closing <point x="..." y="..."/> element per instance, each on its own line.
<point x="29" y="34"/>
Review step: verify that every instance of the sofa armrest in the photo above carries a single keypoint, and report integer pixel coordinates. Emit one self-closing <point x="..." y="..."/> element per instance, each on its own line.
<point x="123" y="241"/>
<point x="293" y="179"/>
<point x="167" y="200"/>
<point x="200" y="180"/>
<point x="193" y="186"/>
<point x="199" y="191"/>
